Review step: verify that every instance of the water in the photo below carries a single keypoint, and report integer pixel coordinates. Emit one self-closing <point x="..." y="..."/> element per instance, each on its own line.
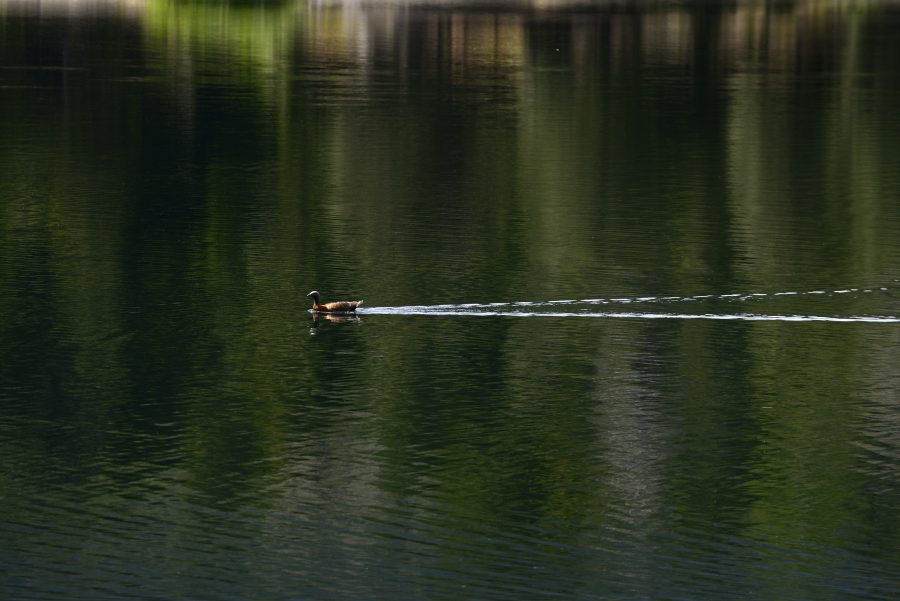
<point x="631" y="281"/>
<point x="588" y="308"/>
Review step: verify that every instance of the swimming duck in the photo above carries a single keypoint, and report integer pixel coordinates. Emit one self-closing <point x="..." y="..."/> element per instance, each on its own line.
<point x="335" y="307"/>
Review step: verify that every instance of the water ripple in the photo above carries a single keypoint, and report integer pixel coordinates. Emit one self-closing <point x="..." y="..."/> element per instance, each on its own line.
<point x="535" y="308"/>
<point x="632" y="315"/>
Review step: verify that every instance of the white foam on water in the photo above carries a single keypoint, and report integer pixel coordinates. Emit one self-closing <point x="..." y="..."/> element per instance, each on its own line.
<point x="494" y="309"/>
<point x="418" y="311"/>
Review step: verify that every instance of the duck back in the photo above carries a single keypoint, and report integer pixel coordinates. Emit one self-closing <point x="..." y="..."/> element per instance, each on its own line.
<point x="338" y="306"/>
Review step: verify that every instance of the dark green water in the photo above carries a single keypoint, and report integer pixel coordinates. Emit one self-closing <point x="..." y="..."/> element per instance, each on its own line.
<point x="712" y="188"/>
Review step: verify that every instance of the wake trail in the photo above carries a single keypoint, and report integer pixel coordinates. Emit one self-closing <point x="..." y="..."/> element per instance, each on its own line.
<point x="636" y="315"/>
<point x="537" y="308"/>
<point x="655" y="299"/>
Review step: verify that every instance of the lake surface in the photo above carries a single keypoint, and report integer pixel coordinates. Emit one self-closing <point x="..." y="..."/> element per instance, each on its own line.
<point x="631" y="274"/>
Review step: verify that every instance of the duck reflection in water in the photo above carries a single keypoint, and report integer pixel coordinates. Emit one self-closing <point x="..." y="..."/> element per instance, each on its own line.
<point x="319" y="318"/>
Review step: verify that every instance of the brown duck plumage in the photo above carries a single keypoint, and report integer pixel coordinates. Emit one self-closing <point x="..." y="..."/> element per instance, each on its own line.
<point x="335" y="307"/>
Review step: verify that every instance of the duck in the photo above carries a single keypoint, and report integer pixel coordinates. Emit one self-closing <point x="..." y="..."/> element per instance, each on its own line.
<point x="334" y="307"/>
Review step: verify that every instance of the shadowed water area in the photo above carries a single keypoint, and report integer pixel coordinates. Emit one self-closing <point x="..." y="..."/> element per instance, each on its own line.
<point x="631" y="274"/>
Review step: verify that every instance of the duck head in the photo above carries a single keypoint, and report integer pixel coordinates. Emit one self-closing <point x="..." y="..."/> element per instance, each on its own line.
<point x="315" y="296"/>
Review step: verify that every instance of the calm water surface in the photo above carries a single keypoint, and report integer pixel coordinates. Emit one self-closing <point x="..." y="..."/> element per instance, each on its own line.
<point x="632" y="300"/>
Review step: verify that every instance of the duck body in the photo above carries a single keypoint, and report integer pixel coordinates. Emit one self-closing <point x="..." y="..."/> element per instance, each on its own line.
<point x="333" y="307"/>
